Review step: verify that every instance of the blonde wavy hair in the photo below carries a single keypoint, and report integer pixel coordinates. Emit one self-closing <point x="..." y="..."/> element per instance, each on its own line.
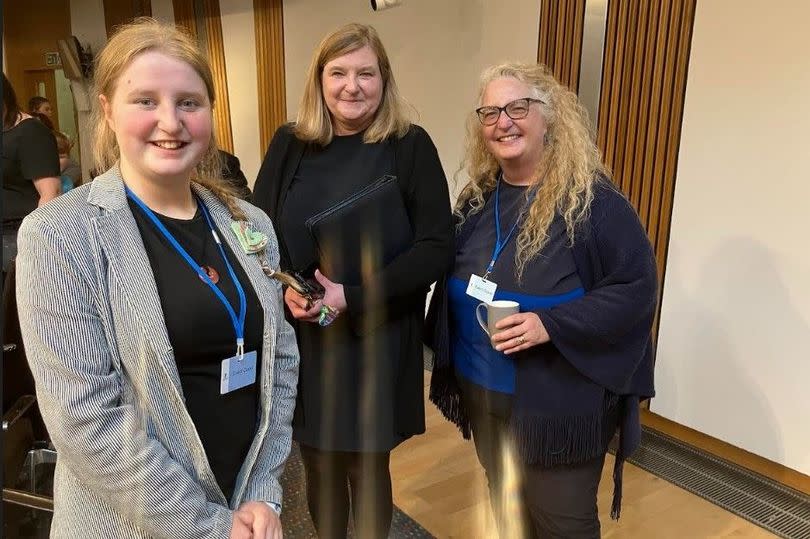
<point x="129" y="41"/>
<point x="569" y="166"/>
<point x="314" y="123"/>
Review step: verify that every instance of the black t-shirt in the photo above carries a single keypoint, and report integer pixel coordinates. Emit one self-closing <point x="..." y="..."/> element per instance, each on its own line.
<point x="550" y="278"/>
<point x="552" y="271"/>
<point x="29" y="153"/>
<point x="202" y="335"/>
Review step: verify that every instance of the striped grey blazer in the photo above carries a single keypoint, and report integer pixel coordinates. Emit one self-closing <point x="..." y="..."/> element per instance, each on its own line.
<point x="130" y="462"/>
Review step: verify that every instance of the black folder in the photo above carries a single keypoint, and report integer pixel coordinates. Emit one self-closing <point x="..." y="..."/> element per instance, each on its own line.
<point x="359" y="235"/>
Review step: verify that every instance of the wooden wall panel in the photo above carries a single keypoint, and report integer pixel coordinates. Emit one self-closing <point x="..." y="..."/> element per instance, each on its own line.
<point x="269" y="24"/>
<point x="215" y="48"/>
<point x="26" y="42"/>
<point x="202" y="18"/>
<point x="641" y="106"/>
<point x="184" y="15"/>
<point x="118" y="12"/>
<point x="560" y="42"/>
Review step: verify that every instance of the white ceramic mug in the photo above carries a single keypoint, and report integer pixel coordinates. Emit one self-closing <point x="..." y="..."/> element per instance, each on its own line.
<point x="496" y="311"/>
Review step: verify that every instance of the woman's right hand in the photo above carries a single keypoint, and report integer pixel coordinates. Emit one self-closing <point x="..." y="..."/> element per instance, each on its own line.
<point x="242" y="526"/>
<point x="298" y="306"/>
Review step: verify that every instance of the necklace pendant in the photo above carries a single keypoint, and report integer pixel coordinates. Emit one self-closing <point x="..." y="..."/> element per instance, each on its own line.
<point x="212" y="273"/>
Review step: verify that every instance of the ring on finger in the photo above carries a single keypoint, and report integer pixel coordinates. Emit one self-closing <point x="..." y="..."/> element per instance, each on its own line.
<point x="521" y="339"/>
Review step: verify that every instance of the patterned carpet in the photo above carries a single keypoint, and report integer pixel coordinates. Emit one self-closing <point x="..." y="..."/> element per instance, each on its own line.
<point x="295" y="517"/>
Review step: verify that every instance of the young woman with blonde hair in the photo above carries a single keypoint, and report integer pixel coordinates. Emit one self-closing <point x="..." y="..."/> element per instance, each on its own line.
<point x="541" y="225"/>
<point x="165" y="370"/>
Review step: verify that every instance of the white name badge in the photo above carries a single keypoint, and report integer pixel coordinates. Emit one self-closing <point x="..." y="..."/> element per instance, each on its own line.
<point x="237" y="372"/>
<point x="481" y="289"/>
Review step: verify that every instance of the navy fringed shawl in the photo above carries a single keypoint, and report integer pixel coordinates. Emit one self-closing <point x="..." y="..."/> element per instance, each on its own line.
<point x="604" y="335"/>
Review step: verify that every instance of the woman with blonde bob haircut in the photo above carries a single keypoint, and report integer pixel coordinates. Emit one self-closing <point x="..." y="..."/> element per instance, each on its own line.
<point x="542" y="229"/>
<point x="165" y="370"/>
<point x="314" y="121"/>
<point x="354" y="160"/>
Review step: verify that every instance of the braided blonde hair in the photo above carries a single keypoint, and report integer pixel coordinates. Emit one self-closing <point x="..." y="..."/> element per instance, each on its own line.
<point x="130" y="40"/>
<point x="570" y="164"/>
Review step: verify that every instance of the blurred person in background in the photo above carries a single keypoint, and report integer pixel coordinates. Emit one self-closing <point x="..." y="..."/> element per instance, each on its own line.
<point x="30" y="168"/>
<point x="70" y="171"/>
<point x="40" y="105"/>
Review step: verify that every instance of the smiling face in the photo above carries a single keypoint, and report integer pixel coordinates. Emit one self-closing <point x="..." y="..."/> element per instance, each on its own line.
<point x="352" y="89"/>
<point x="513" y="143"/>
<point x="161" y="115"/>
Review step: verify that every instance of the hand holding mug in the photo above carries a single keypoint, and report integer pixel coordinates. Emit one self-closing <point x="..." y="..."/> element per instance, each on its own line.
<point x="495" y="312"/>
<point x="519" y="332"/>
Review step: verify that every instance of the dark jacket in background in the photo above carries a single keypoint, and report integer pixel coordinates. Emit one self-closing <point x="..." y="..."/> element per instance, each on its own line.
<point x="232" y="173"/>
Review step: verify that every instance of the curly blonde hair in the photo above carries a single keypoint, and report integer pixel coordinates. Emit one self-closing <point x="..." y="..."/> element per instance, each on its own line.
<point x="129" y="41"/>
<point x="314" y="123"/>
<point x="570" y="163"/>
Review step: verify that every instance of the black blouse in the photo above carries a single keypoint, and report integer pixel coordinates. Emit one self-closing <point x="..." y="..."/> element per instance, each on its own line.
<point x="202" y="335"/>
<point x="29" y="153"/>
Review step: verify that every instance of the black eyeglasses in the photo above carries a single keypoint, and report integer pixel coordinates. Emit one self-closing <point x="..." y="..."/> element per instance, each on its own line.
<point x="517" y="110"/>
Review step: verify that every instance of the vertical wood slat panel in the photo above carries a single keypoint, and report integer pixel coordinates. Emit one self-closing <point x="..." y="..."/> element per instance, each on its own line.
<point x="143" y="8"/>
<point x="641" y="106"/>
<point x="209" y="35"/>
<point x="269" y="24"/>
<point x="687" y="16"/>
<point x="184" y="15"/>
<point x="563" y="56"/>
<point x="632" y="144"/>
<point x="559" y="44"/>
<point x="576" y="53"/>
<point x="216" y="59"/>
<point x="646" y="115"/>
<point x="541" y="45"/>
<point x="655" y="112"/>
<point x="118" y="12"/>
<point x="606" y="94"/>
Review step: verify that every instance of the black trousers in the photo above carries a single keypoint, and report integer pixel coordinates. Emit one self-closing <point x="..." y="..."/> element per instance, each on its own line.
<point x="557" y="502"/>
<point x="332" y="476"/>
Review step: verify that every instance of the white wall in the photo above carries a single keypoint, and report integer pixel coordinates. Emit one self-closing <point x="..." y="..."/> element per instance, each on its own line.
<point x="240" y="60"/>
<point x="87" y="24"/>
<point x="734" y="346"/>
<point x="163" y="10"/>
<point x="437" y="50"/>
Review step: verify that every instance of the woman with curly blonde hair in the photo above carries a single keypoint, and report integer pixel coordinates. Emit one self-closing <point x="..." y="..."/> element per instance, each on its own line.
<point x="543" y="231"/>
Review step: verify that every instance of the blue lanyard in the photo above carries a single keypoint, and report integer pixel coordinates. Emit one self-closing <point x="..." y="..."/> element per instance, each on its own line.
<point x="238" y="322"/>
<point x="499" y="245"/>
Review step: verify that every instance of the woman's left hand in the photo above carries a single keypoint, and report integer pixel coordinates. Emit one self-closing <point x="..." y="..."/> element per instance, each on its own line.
<point x="521" y="331"/>
<point x="333" y="295"/>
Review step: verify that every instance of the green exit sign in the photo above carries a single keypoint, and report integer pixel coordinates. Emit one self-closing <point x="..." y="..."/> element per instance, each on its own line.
<point x="52" y="59"/>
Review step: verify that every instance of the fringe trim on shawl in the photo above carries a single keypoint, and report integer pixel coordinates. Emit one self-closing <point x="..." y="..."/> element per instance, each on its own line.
<point x="551" y="441"/>
<point x="618" y="470"/>
<point x="446" y="395"/>
<point x="618" y="473"/>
